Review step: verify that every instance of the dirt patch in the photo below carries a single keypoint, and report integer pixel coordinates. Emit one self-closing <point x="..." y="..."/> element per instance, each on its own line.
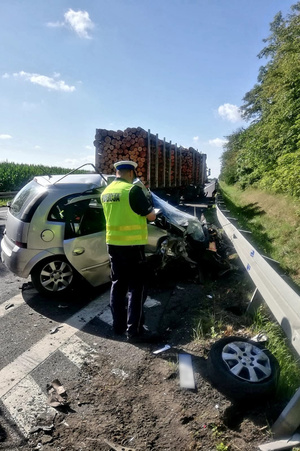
<point x="129" y="398"/>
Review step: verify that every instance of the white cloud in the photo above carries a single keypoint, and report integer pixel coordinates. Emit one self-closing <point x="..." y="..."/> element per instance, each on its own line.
<point x="3" y="136"/>
<point x="230" y="112"/>
<point x="78" y="21"/>
<point x="217" y="142"/>
<point x="196" y="138"/>
<point x="46" y="82"/>
<point x="88" y="147"/>
<point x="6" y="75"/>
<point x="37" y="147"/>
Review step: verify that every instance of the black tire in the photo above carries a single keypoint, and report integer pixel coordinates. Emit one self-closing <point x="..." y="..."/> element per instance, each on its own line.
<point x="242" y="369"/>
<point x="53" y="277"/>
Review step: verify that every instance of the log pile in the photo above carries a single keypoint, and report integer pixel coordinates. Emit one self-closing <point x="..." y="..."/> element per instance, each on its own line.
<point x="168" y="166"/>
<point x="112" y="146"/>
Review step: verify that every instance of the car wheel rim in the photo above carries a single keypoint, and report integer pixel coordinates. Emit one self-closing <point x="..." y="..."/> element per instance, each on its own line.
<point x="56" y="276"/>
<point x="246" y="361"/>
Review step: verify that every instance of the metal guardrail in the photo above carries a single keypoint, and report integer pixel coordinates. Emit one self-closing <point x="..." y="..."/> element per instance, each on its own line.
<point x="7" y="194"/>
<point x="284" y="303"/>
<point x="282" y="300"/>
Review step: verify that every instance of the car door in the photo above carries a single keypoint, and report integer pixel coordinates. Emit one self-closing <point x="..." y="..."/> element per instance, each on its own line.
<point x="84" y="242"/>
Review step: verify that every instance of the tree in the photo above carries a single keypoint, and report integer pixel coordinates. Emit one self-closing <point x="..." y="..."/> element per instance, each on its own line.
<point x="272" y="106"/>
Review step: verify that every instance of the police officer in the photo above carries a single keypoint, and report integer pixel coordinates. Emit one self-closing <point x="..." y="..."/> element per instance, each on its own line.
<point x="126" y="211"/>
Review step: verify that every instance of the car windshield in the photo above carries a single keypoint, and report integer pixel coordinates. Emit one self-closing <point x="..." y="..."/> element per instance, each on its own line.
<point x="27" y="200"/>
<point x="192" y="224"/>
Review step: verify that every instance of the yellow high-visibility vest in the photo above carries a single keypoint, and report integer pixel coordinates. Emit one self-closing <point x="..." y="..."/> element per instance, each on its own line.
<point x="123" y="226"/>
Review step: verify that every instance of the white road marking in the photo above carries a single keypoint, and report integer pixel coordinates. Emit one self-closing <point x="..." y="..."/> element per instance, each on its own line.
<point x="15" y="302"/>
<point x="78" y="351"/>
<point x="26" y="402"/>
<point x="14" y="372"/>
<point x="20" y="394"/>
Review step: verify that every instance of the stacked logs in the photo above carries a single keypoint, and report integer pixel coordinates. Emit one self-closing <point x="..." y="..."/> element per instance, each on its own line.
<point x="169" y="165"/>
<point x="112" y="146"/>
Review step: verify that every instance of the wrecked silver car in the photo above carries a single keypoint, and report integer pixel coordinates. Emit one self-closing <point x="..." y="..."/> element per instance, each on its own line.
<point x="55" y="232"/>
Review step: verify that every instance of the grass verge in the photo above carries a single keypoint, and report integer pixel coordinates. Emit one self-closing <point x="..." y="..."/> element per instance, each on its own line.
<point x="274" y="221"/>
<point x="278" y="345"/>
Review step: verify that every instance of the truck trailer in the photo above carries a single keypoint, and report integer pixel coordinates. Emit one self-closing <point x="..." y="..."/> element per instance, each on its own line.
<point x="169" y="170"/>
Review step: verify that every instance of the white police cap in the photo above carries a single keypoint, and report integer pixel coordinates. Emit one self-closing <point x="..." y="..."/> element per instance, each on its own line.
<point x="125" y="164"/>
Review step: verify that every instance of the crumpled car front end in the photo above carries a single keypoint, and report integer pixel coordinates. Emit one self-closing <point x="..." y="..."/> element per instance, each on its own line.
<point x="190" y="242"/>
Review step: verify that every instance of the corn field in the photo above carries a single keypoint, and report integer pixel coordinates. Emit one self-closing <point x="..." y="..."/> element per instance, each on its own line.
<point x="14" y="176"/>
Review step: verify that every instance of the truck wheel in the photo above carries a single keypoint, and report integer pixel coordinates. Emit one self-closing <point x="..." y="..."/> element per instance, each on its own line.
<point x="242" y="370"/>
<point x="53" y="277"/>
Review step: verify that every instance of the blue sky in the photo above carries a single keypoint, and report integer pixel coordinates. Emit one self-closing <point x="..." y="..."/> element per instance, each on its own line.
<point x="177" y="67"/>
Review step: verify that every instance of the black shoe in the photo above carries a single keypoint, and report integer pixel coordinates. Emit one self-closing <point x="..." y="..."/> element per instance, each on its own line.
<point x="119" y="330"/>
<point x="145" y="337"/>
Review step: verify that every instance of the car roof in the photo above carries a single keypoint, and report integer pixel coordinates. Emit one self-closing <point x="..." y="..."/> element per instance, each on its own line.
<point x="88" y="181"/>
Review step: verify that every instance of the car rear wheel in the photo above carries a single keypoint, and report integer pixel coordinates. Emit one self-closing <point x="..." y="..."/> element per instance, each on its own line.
<point x="53" y="277"/>
<point x="242" y="370"/>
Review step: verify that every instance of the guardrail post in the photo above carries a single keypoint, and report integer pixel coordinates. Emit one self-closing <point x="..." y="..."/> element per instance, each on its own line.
<point x="289" y="420"/>
<point x="255" y="302"/>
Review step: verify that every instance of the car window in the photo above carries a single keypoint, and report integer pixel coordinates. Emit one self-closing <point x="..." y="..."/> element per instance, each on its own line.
<point x="27" y="200"/>
<point x="84" y="217"/>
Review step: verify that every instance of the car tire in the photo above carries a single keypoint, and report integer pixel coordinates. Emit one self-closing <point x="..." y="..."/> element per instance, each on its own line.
<point x="53" y="277"/>
<point x="242" y="369"/>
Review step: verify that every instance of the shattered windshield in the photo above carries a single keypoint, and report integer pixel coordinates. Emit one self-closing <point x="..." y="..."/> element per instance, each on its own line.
<point x="191" y="223"/>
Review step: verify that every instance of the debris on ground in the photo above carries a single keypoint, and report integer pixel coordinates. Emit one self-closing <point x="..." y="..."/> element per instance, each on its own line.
<point x="281" y="444"/>
<point x="129" y="397"/>
<point x="57" y="395"/>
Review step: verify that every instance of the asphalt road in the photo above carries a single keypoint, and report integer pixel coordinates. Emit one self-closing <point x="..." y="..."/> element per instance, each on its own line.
<point x="41" y="340"/>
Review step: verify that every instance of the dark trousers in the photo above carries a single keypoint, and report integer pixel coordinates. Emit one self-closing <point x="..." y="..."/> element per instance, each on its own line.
<point x="128" y="273"/>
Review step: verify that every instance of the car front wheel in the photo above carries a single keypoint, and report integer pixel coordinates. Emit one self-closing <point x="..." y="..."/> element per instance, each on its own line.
<point x="243" y="370"/>
<point x="53" y="277"/>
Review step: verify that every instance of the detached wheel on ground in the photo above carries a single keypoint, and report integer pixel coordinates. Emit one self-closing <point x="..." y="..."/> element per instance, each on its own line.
<point x="242" y="369"/>
<point x="53" y="277"/>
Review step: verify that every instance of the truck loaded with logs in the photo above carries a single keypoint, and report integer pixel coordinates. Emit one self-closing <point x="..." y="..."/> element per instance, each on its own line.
<point x="172" y="172"/>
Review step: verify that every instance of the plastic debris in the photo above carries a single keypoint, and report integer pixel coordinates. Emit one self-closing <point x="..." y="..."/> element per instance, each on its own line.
<point x="186" y="371"/>
<point x="42" y="427"/>
<point x="165" y="348"/>
<point x="281" y="444"/>
<point x="260" y="338"/>
<point x="55" y="329"/>
<point x="151" y="302"/>
<point x="57" y="395"/>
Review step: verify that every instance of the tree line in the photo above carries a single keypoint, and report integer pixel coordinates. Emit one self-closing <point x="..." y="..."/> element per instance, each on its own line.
<point x="266" y="154"/>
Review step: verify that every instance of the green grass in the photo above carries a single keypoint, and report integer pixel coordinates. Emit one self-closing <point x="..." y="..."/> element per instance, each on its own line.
<point x="274" y="221"/>
<point x="207" y="326"/>
<point x="279" y="346"/>
<point x="3" y="202"/>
